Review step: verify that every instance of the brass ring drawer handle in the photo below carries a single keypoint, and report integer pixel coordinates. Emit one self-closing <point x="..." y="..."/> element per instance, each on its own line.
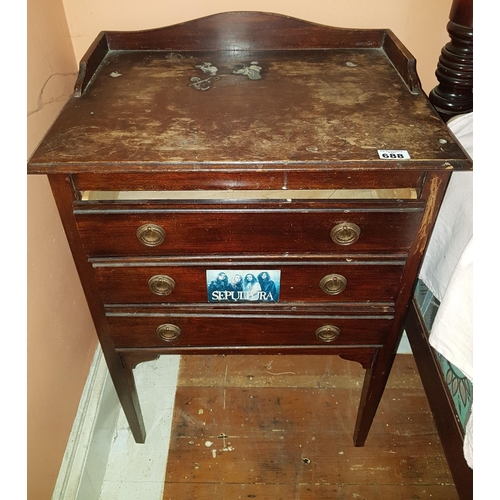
<point x="327" y="333"/>
<point x="333" y="284"/>
<point x="345" y="233"/>
<point x="161" y="285"/>
<point x="151" y="235"/>
<point x="168" y="333"/>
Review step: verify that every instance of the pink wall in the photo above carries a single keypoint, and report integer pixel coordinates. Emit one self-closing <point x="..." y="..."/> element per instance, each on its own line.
<point x="61" y="337"/>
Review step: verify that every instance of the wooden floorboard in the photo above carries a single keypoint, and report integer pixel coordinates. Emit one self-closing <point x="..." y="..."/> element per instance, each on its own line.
<point x="271" y="427"/>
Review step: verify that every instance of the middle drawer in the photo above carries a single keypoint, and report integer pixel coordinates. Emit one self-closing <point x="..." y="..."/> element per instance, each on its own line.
<point x="341" y="281"/>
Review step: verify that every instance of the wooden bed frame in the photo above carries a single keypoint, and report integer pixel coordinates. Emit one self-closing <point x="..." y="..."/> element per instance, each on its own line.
<point x="453" y="96"/>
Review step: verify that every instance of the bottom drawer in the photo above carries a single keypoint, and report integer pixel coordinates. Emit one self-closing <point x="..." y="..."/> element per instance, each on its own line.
<point x="146" y="330"/>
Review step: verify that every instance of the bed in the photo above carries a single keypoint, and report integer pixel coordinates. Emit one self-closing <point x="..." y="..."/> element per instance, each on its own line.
<point x="439" y="323"/>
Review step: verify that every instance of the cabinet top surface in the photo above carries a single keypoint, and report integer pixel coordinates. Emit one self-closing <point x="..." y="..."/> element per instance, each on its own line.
<point x="148" y="109"/>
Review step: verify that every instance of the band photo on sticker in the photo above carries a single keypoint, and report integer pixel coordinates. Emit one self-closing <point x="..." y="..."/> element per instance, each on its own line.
<point x="243" y="285"/>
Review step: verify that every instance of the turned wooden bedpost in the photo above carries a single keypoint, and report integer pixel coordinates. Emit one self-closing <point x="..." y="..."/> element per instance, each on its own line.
<point x="453" y="95"/>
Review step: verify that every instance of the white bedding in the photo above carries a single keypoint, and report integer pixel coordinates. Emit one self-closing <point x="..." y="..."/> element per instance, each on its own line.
<point x="448" y="266"/>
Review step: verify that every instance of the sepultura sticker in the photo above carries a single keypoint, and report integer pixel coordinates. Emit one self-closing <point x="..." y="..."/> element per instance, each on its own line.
<point x="243" y="285"/>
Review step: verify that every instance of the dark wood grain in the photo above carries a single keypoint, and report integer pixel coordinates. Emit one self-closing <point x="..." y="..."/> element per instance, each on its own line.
<point x="376" y="377"/>
<point x="90" y="62"/>
<point x="212" y="331"/>
<point x="323" y="107"/>
<point x="236" y="177"/>
<point x="326" y="102"/>
<point x="366" y="281"/>
<point x="253" y="228"/>
<point x="123" y="381"/>
<point x="239" y="31"/>
<point x="443" y="409"/>
<point x="454" y="94"/>
<point x="234" y="31"/>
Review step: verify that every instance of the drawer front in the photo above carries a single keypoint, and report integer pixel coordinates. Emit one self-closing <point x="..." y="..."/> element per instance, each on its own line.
<point x="332" y="282"/>
<point x="240" y="330"/>
<point x="329" y="178"/>
<point x="250" y="231"/>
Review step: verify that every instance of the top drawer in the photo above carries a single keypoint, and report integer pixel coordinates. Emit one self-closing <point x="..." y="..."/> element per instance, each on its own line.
<point x="117" y="229"/>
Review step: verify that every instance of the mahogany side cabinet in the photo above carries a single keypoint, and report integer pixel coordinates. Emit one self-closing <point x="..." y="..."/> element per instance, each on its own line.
<point x="248" y="183"/>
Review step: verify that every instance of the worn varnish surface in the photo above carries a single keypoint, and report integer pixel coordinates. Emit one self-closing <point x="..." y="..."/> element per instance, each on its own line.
<point x="314" y="115"/>
<point x="308" y="106"/>
<point x="273" y="427"/>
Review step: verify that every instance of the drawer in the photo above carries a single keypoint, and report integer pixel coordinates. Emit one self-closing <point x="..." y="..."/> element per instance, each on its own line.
<point x="273" y="228"/>
<point x="234" y="330"/>
<point x="340" y="281"/>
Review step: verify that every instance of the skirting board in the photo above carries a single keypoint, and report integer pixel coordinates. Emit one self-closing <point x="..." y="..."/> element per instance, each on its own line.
<point x="84" y="462"/>
<point x="404" y="346"/>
